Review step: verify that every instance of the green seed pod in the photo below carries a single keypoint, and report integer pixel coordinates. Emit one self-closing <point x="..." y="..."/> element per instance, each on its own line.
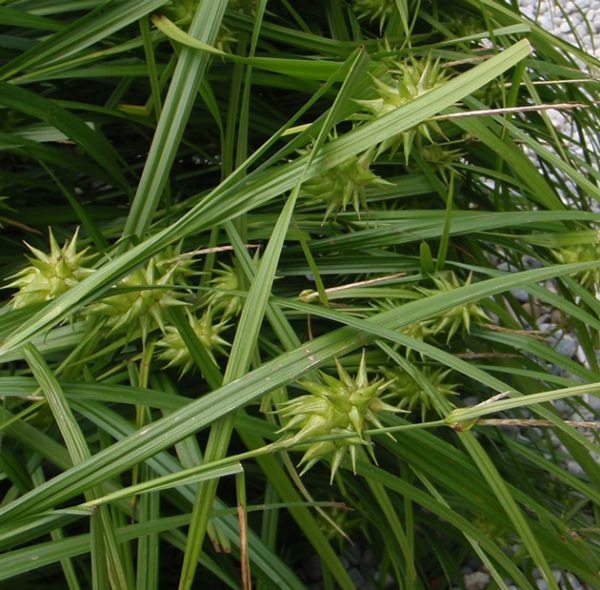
<point x="144" y="294"/>
<point x="226" y="40"/>
<point x="456" y="319"/>
<point x="418" y="330"/>
<point x="442" y="159"/>
<point x="176" y="353"/>
<point x="344" y="406"/>
<point x="344" y="184"/>
<point x="583" y="253"/>
<point x="222" y="298"/>
<point x="410" y="395"/>
<point x="403" y="82"/>
<point x="49" y="275"/>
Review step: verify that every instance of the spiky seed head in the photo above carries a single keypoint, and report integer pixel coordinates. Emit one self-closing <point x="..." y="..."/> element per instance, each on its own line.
<point x="410" y="395"/>
<point x="417" y="330"/>
<point x="375" y="10"/>
<point x="222" y="298"/>
<point x="174" y="351"/>
<point x="49" y="274"/>
<point x="590" y="279"/>
<point x="492" y="529"/>
<point x="402" y="83"/>
<point x="450" y="322"/>
<point x="343" y="185"/>
<point x="442" y="159"/>
<point x="173" y="260"/>
<point x="344" y="405"/>
<point x="226" y="39"/>
<point x="144" y="295"/>
<point x="457" y="319"/>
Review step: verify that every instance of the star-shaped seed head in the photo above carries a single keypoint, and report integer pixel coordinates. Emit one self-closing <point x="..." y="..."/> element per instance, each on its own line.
<point x="401" y="83"/>
<point x="142" y="297"/>
<point x="411" y="395"/>
<point x="343" y="406"/>
<point x="49" y="274"/>
<point x="343" y="185"/>
<point x="456" y="319"/>
<point x="174" y="350"/>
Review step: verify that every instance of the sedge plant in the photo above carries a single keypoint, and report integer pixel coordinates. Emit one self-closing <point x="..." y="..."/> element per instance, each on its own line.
<point x="285" y="280"/>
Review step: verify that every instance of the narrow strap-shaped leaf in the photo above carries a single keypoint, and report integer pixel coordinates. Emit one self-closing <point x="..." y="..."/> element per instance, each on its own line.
<point x="18" y="18"/>
<point x="165" y="464"/>
<point x="187" y="476"/>
<point x="89" y="29"/>
<point x="78" y="449"/>
<point x="479" y="410"/>
<point x="57" y="535"/>
<point x="495" y="481"/>
<point x="183" y="91"/>
<point x="392" y="482"/>
<point x="65" y="420"/>
<point x="478" y="550"/>
<point x="148" y="554"/>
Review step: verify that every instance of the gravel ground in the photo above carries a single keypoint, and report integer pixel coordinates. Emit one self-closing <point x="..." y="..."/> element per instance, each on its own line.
<point x="577" y="22"/>
<point x="562" y="17"/>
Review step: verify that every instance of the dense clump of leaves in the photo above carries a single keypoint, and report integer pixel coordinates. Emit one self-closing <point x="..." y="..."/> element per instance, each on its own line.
<point x="347" y="232"/>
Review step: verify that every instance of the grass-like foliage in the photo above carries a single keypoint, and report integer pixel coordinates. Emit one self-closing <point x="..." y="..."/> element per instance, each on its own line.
<point x="284" y="280"/>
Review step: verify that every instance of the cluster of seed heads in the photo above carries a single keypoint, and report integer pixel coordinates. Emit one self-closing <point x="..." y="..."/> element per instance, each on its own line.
<point x="137" y="305"/>
<point x="395" y="84"/>
<point x="219" y="307"/>
<point x="141" y="298"/>
<point x="456" y="320"/>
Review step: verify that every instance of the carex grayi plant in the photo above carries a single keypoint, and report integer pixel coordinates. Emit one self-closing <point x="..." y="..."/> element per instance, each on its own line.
<point x="289" y="283"/>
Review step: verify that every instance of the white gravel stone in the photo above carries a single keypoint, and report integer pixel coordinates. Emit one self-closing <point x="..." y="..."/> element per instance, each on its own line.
<point x="575" y="469"/>
<point x="477" y="581"/>
<point x="550" y="16"/>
